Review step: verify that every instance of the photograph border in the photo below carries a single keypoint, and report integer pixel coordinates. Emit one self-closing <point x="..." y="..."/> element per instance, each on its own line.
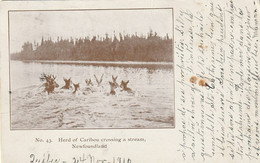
<point x="97" y="9"/>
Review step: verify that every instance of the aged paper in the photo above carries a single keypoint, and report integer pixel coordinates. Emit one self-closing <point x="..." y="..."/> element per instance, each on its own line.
<point x="129" y="81"/>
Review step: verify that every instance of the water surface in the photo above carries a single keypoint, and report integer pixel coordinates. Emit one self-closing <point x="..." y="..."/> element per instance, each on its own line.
<point x="150" y="106"/>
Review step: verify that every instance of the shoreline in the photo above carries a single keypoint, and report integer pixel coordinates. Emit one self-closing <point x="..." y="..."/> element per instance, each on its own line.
<point x="104" y="63"/>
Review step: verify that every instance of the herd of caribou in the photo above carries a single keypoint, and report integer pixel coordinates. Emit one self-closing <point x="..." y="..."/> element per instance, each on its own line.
<point x="50" y="84"/>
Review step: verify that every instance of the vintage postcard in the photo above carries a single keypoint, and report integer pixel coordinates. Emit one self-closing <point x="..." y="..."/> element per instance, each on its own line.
<point x="117" y="81"/>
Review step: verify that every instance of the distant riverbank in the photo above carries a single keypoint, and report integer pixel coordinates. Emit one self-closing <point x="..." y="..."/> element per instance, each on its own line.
<point x="106" y="63"/>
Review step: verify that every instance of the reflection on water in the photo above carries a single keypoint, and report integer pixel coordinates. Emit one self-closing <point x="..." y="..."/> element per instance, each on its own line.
<point x="150" y="107"/>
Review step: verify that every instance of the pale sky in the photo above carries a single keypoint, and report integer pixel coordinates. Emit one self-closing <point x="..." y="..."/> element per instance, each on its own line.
<point x="32" y="25"/>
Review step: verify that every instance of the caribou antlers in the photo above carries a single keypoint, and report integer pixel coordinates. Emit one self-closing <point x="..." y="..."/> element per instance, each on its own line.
<point x="100" y="80"/>
<point x="114" y="81"/>
<point x="89" y="82"/>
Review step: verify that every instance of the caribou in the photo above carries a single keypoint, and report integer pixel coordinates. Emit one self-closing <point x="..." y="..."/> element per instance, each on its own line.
<point x="124" y="87"/>
<point x="67" y="83"/>
<point x="50" y="83"/>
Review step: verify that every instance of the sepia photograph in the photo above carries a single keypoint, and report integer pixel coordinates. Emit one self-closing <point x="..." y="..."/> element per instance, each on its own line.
<point x="91" y="69"/>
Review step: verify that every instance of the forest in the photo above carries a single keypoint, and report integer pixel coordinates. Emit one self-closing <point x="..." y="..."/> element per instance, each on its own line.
<point x="125" y="47"/>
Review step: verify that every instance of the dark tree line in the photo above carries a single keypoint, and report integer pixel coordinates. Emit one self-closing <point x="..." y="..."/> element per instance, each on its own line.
<point x="127" y="47"/>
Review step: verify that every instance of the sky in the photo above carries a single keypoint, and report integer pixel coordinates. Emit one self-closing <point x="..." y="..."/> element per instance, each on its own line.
<point x="33" y="25"/>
